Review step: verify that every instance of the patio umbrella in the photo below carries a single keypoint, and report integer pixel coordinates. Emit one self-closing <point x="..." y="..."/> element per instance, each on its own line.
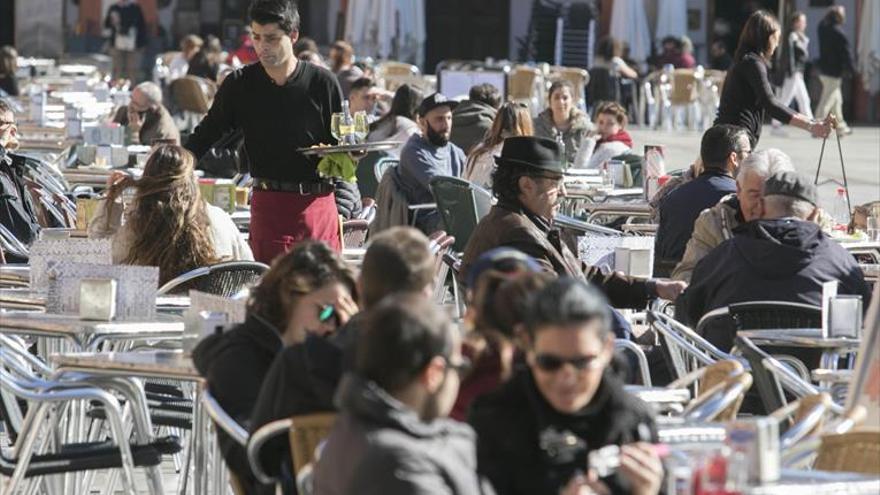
<point x="868" y="49"/>
<point x="629" y="24"/>
<point x="671" y="19"/>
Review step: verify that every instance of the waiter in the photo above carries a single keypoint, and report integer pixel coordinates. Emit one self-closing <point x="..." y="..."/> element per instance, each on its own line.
<point x="280" y="104"/>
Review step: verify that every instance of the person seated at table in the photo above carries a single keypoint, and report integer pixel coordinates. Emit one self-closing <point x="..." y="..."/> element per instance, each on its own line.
<point x="146" y="117"/>
<point x="8" y="68"/>
<point x="562" y="120"/>
<point x="17" y="212"/>
<point x="365" y="96"/>
<point x="399" y="123"/>
<point x="305" y="44"/>
<point x="428" y="155"/>
<point x="722" y="150"/>
<point x="536" y="431"/>
<point x="342" y="64"/>
<point x="717" y="223"/>
<point x="168" y="224"/>
<point x="189" y="47"/>
<point x="499" y="286"/>
<point x="304" y="377"/>
<point x="473" y="118"/>
<point x="206" y="62"/>
<point x="609" y="55"/>
<point x="609" y="140"/>
<point x="528" y="185"/>
<point x="674" y="53"/>
<point x="392" y="434"/>
<point x="783" y="256"/>
<point x="512" y="119"/>
<point x="283" y="309"/>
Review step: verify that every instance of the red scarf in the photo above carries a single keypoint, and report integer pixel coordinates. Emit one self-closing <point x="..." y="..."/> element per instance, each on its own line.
<point x="621" y="136"/>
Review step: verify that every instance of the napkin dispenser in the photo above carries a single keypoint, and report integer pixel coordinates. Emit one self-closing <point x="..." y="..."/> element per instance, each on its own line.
<point x="635" y="262"/>
<point x="97" y="299"/>
<point x="845" y="316"/>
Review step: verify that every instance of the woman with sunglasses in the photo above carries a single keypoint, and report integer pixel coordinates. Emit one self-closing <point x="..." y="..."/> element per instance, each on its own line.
<point x="536" y="431"/>
<point x="309" y="290"/>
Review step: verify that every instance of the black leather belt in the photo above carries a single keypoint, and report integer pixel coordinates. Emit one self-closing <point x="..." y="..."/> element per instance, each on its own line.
<point x="303" y="188"/>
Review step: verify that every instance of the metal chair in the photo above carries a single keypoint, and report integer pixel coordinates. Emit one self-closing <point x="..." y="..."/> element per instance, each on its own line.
<point x="802" y="418"/>
<point x="440" y="245"/>
<point x="632" y="347"/>
<point x="720" y="386"/>
<point x="683" y="349"/>
<point x="526" y="85"/>
<point x="721" y="325"/>
<point x="383" y="165"/>
<point x="307" y="433"/>
<point x="258" y="439"/>
<point x="223" y="279"/>
<point x="224" y="421"/>
<point x="461" y="204"/>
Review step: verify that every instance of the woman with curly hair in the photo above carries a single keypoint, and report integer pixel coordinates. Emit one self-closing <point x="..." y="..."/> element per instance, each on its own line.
<point x="168" y="224"/>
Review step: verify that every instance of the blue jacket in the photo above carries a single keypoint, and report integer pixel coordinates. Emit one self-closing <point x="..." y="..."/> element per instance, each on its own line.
<point x="680" y="209"/>
<point x="421" y="161"/>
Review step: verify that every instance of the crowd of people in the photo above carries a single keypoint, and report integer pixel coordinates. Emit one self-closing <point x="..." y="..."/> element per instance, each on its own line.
<point x="514" y="398"/>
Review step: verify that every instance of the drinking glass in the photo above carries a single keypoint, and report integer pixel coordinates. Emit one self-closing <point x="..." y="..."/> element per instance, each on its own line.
<point x="361" y="126"/>
<point x="873" y="229"/>
<point x="335" y="119"/>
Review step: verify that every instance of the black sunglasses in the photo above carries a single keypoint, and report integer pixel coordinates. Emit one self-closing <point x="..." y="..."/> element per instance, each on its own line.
<point x="551" y="363"/>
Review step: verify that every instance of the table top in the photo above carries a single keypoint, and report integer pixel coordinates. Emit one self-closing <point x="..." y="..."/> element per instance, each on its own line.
<point x="348" y="148"/>
<point x="677" y="431"/>
<point x="151" y="364"/>
<point x="818" y="483"/>
<point x="72" y="326"/>
<point x="23" y="296"/>
<point x="660" y="395"/>
<point x="799" y="337"/>
<point x="635" y="207"/>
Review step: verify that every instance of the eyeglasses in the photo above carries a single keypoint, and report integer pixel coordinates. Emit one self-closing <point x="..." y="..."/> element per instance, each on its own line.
<point x="552" y="363"/>
<point x="4" y="123"/>
<point x="463" y="367"/>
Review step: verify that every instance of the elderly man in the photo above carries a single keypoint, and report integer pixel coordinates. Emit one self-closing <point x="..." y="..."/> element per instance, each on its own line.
<point x="716" y="224"/>
<point x="528" y="185"/>
<point x="146" y="118"/>
<point x="784" y="256"/>
<point x="722" y="149"/>
<point x="17" y="212"/>
<point x="428" y="155"/>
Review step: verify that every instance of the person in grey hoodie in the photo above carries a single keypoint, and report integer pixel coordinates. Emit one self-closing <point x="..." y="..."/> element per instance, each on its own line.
<point x="392" y="435"/>
<point x="473" y="118"/>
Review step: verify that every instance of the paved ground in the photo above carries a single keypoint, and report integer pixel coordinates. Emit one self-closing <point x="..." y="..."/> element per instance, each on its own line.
<point x="861" y="154"/>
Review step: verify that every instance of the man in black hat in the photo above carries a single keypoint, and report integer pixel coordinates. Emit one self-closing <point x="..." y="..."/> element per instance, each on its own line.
<point x="784" y="256"/>
<point x="528" y="185"/>
<point x="428" y="155"/>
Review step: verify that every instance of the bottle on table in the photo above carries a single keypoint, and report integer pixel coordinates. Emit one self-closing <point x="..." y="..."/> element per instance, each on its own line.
<point x="840" y="210"/>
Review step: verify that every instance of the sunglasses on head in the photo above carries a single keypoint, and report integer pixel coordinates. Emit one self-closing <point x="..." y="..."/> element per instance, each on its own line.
<point x="551" y="363"/>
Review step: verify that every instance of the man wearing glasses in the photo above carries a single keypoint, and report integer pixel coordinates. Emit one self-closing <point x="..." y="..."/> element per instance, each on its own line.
<point x="281" y="105"/>
<point x="528" y="185"/>
<point x="17" y="213"/>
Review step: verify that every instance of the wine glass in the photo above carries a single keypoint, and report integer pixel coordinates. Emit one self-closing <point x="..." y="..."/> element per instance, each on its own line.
<point x="335" y="119"/>
<point x="361" y="126"/>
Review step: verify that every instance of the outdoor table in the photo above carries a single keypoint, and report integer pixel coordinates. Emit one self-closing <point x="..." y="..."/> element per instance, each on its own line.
<point x="167" y="365"/>
<point x="794" y="481"/>
<point x="812" y="338"/>
<point x="24" y="298"/>
<point x="87" y="335"/>
<point x="661" y="397"/>
<point x="678" y="431"/>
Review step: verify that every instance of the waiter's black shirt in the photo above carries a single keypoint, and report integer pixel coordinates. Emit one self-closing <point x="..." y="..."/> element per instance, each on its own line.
<point x="747" y="96"/>
<point x="275" y="120"/>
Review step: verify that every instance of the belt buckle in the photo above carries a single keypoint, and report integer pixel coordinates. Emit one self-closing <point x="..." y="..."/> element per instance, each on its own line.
<point x="301" y="192"/>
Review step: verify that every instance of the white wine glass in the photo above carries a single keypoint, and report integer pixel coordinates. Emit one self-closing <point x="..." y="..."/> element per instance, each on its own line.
<point x="335" y="120"/>
<point x="361" y="126"/>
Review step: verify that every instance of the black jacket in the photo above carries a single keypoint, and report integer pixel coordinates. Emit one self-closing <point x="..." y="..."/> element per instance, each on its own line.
<point x="380" y="446"/>
<point x="835" y="56"/>
<point x="513" y="422"/>
<point x="678" y="212"/>
<point x="470" y="122"/>
<point x="17" y="212"/>
<point x="130" y="16"/>
<point x="771" y="260"/>
<point x="235" y="364"/>
<point x="748" y="95"/>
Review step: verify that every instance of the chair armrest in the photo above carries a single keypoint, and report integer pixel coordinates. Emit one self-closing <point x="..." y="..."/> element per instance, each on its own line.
<point x="258" y="439"/>
<point x="223" y="420"/>
<point x="423" y="206"/>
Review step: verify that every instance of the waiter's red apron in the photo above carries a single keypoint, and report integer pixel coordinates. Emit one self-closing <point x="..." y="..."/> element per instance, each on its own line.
<point x="280" y="220"/>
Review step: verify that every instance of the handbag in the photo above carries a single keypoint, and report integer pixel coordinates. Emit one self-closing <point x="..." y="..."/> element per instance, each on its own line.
<point x="222" y="160"/>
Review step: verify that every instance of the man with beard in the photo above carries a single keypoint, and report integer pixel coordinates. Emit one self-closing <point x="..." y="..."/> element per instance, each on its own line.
<point x="428" y="155"/>
<point x="281" y="105"/>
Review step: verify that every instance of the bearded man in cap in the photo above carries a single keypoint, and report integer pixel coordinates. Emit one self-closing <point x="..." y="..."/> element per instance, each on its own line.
<point x="429" y="155"/>
<point x="784" y="256"/>
<point x="528" y="185"/>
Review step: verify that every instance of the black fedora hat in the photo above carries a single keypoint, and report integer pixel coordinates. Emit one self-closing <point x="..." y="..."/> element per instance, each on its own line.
<point x="539" y="153"/>
<point x="434" y="101"/>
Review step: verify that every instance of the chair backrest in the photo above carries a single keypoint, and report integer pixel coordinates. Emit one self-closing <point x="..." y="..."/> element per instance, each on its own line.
<point x="855" y="451"/>
<point x="684" y="87"/>
<point x="684" y="350"/>
<point x="758" y="315"/>
<point x="461" y="204"/>
<point x="773" y="379"/>
<point x="521" y="83"/>
<point x="634" y="349"/>
<point x="354" y="233"/>
<point x="383" y="165"/>
<point x="720" y="402"/>
<point x="223" y="279"/>
<point x="307" y="432"/>
<point x="440" y="244"/>
<point x="366" y="174"/>
<point x="396" y="69"/>
<point x="189" y="94"/>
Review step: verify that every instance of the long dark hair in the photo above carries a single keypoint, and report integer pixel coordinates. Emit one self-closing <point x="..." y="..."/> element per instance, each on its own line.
<point x="755" y="36"/>
<point x="404" y="104"/>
